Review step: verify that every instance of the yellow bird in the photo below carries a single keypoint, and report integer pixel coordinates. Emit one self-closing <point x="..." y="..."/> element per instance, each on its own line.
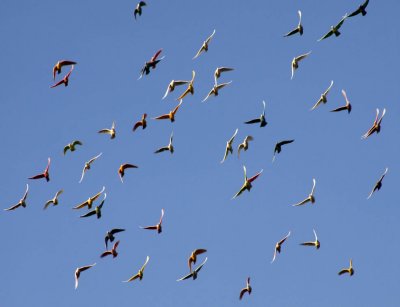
<point x="140" y="273"/>
<point x="348" y="270"/>
<point x="90" y="201"/>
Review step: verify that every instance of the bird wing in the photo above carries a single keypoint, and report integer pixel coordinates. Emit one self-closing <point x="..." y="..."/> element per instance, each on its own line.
<point x="253" y="121"/>
<point x="302" y="56"/>
<point x="165" y="116"/>
<point x="240" y="191"/>
<point x="273" y="258"/>
<point x="254" y="177"/>
<point x="137" y="125"/>
<point x="58" y="83"/>
<point x="345" y="97"/>
<point x="127" y="165"/>
<point x="308" y="244"/>
<point x="77" y="142"/>
<point x="339" y="109"/>
<point x="85" y="203"/>
<point x="302" y="202"/>
<point x="313" y="188"/>
<point x="343" y="271"/>
<point x="341" y="21"/>
<point x="299" y="12"/>
<point x="185" y="277"/>
<point x="244" y="290"/>
<point x="326" y="35"/>
<point x="149" y="227"/>
<point x="200" y="266"/>
<point x="284" y="239"/>
<point x="26" y="193"/>
<point x="132" y="278"/>
<point x="94" y="158"/>
<point x="316" y="104"/>
<point x="105" y="131"/>
<point x="162" y="215"/>
<point x="233" y="136"/>
<point x="145" y="263"/>
<point x="199" y="52"/>
<point x="13" y="207"/>
<point x="199" y="251"/>
<point x="98" y="194"/>
<point x="161" y="149"/>
<point x="66" y="149"/>
<point x="177" y="107"/>
<point x="166" y="92"/>
<point x="328" y="89"/>
<point x="208" y="95"/>
<point x="106" y="253"/>
<point x="225" y="155"/>
<point x="219" y="86"/>
<point x="155" y="56"/>
<point x="187" y="91"/>
<point x="48" y="204"/>
<point x="93" y="212"/>
<point x="286" y="142"/>
<point x="59" y="193"/>
<point x="116" y="230"/>
<point x="210" y="37"/>
<point x="83" y="174"/>
<point x="37" y="176"/>
<point x="292" y="32"/>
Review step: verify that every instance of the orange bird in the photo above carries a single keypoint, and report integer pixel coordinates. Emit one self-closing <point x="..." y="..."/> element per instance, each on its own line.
<point x="59" y="65"/>
<point x="112" y="252"/>
<point x="246" y="289"/>
<point x="45" y="174"/>
<point x="376" y="126"/>
<point x="121" y="170"/>
<point x="141" y="122"/>
<point x="278" y="246"/>
<point x="193" y="257"/>
<point x="157" y="227"/>
<point x="64" y="80"/>
<point x="171" y="114"/>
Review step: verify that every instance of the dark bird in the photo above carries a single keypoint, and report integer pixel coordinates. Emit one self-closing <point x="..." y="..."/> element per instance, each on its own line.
<point x="215" y="90"/>
<point x="151" y="64"/>
<point x="247" y="289"/>
<point x="157" y="227"/>
<point x="64" y="80"/>
<point x="112" y="252"/>
<point x="378" y="184"/>
<point x="86" y="167"/>
<point x="172" y="85"/>
<point x="361" y="9"/>
<point x="110" y="235"/>
<point x="45" y="174"/>
<point x="247" y="182"/>
<point x="278" y="246"/>
<point x="138" y="9"/>
<point x="260" y="120"/>
<point x="140" y="273"/>
<point x="54" y="200"/>
<point x="193" y="257"/>
<point x="97" y="209"/>
<point x="71" y="146"/>
<point x="334" y="29"/>
<point x="90" y="201"/>
<point x="229" y="148"/>
<point x="169" y="147"/>
<point x="310" y="197"/>
<point x="22" y="201"/>
<point x="171" y="114"/>
<point x="348" y="270"/>
<point x="219" y="71"/>
<point x="190" y="88"/>
<point x="194" y="273"/>
<point x="204" y="47"/>
<point x="245" y="144"/>
<point x="111" y="131"/>
<point x="78" y="272"/>
<point x="346" y="107"/>
<point x="122" y="168"/>
<point x="324" y="97"/>
<point x="315" y="243"/>
<point x="298" y="29"/>
<point x="296" y="60"/>
<point x="278" y="147"/>
<point x="376" y="126"/>
<point x="59" y="65"/>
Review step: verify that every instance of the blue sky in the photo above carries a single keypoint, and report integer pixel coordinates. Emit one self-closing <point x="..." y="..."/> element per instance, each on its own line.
<point x="42" y="249"/>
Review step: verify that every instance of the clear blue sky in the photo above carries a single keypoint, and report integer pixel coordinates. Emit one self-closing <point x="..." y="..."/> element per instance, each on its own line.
<point x="42" y="249"/>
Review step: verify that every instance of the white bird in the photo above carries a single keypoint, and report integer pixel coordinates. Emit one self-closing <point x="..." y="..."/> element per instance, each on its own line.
<point x="296" y="60"/>
<point x="87" y="165"/>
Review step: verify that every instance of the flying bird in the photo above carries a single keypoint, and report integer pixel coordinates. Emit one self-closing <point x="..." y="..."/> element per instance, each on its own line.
<point x="59" y="65"/>
<point x="278" y="246"/>
<point x="215" y="90"/>
<point x="219" y="71"/>
<point x="169" y="147"/>
<point x="86" y="167"/>
<point x="346" y="107"/>
<point x="140" y="273"/>
<point x="376" y="126"/>
<point x="112" y="252"/>
<point x="110" y="235"/>
<point x="348" y="270"/>
<point x="64" y="80"/>
<point x="324" y="97"/>
<point x="171" y="114"/>
<point x="172" y="85"/>
<point x="151" y="64"/>
<point x="247" y="182"/>
<point x="260" y="120"/>
<point x="204" y="47"/>
<point x="141" y="123"/>
<point x="310" y="197"/>
<point x="90" y="201"/>
<point x="315" y="243"/>
<point x="278" y="147"/>
<point x="22" y="201"/>
<point x="361" y="9"/>
<point x="229" y="148"/>
<point x="78" y="272"/>
<point x="45" y="174"/>
<point x="122" y="168"/>
<point x="378" y="184"/>
<point x="111" y="131"/>
<point x="193" y="257"/>
<point x="71" y="146"/>
<point x="190" y="88"/>
<point x="245" y="144"/>
<point x="54" y="200"/>
<point x="193" y="273"/>
<point x="97" y="210"/>
<point x="334" y="29"/>
<point x="138" y="9"/>
<point x="157" y="227"/>
<point x="296" y="60"/>
<point x="247" y="289"/>
<point x="298" y="29"/>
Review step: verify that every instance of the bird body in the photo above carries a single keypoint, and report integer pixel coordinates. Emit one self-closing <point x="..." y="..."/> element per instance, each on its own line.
<point x="346" y="107"/>
<point x="110" y="235"/>
<point x="245" y="144"/>
<point x="296" y="60"/>
<point x="204" y="47"/>
<point x="334" y="29"/>
<point x="310" y="197"/>
<point x="86" y="167"/>
<point x="71" y="146"/>
<point x="78" y="272"/>
<point x="112" y="252"/>
<point x="378" y="184"/>
<point x="45" y="174"/>
<point x="360" y="9"/>
<point x="229" y="148"/>
<point x="90" y="201"/>
<point x="157" y="227"/>
<point x="376" y="126"/>
<point x="193" y="257"/>
<point x="111" y="131"/>
<point x="122" y="168"/>
<point x="59" y="65"/>
<point x="140" y="272"/>
<point x="64" y="80"/>
<point x="324" y="97"/>
<point x="247" y="289"/>
<point x="215" y="90"/>
<point x="193" y="273"/>
<point x="315" y="243"/>
<point x="138" y="9"/>
<point x="348" y="270"/>
<point x="171" y="114"/>
<point x="260" y="120"/>
<point x="298" y="29"/>
<point x="54" y="200"/>
<point x="97" y="209"/>
<point x="247" y="182"/>
<point x="169" y="147"/>
<point x="22" y="201"/>
<point x="278" y="147"/>
<point x="278" y="246"/>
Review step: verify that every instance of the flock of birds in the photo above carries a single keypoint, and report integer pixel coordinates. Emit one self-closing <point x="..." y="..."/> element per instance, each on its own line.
<point x="215" y="91"/>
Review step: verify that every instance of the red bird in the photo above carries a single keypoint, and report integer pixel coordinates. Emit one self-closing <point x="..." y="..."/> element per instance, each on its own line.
<point x="158" y="226"/>
<point x="64" y="80"/>
<point x="112" y="252"/>
<point x="45" y="174"/>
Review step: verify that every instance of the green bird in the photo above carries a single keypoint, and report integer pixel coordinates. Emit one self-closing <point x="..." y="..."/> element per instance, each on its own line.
<point x="71" y="146"/>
